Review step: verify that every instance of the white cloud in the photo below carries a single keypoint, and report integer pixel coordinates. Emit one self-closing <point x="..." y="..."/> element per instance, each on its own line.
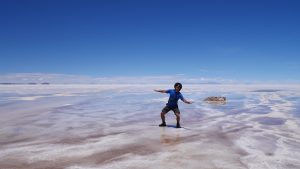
<point x="25" y="78"/>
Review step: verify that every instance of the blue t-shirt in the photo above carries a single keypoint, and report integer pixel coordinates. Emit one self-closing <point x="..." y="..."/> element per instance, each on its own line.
<point x="174" y="97"/>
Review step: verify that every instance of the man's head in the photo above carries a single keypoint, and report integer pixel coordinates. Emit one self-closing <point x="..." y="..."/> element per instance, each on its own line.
<point x="178" y="86"/>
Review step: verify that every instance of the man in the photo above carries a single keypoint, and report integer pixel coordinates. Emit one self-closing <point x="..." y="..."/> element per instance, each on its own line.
<point x="172" y="104"/>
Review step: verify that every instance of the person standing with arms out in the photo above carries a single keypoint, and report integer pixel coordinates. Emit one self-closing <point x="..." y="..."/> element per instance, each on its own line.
<point x="172" y="104"/>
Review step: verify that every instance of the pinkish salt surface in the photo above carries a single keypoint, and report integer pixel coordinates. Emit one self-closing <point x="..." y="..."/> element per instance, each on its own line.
<point x="116" y="127"/>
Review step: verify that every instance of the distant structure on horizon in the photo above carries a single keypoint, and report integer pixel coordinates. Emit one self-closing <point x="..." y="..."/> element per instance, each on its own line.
<point x="31" y="83"/>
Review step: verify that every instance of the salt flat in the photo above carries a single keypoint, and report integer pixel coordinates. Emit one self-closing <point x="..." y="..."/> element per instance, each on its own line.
<point x="116" y="127"/>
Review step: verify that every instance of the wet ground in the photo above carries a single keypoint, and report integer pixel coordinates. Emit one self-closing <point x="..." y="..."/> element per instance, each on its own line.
<point x="116" y="126"/>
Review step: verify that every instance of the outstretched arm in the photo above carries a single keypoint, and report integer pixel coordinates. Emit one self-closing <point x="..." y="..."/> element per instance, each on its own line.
<point x="161" y="91"/>
<point x="188" y="102"/>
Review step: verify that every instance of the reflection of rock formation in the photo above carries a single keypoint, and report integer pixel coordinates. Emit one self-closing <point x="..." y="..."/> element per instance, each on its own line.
<point x="215" y="100"/>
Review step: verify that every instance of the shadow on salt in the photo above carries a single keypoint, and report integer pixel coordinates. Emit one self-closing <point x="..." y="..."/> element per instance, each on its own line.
<point x="232" y="108"/>
<point x="270" y="120"/>
<point x="266" y="90"/>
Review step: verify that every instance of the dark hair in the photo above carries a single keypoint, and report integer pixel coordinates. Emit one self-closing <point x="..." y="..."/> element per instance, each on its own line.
<point x="178" y="84"/>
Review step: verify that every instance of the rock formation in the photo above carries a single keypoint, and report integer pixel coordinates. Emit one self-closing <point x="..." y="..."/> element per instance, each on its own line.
<point x="215" y="99"/>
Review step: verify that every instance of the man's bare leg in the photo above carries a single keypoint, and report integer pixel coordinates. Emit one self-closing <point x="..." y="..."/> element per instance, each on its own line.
<point x="178" y="120"/>
<point x="163" y="119"/>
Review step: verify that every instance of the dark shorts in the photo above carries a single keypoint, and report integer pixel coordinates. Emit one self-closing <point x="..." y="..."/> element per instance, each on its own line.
<point x="166" y="109"/>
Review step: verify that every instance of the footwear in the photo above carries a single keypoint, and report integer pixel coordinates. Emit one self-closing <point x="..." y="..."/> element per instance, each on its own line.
<point x="162" y="124"/>
<point x="178" y="126"/>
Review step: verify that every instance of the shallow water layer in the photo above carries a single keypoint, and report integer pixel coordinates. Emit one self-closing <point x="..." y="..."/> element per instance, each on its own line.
<point x="116" y="126"/>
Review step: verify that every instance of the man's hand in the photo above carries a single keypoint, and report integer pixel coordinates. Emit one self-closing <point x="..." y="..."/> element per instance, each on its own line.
<point x="188" y="102"/>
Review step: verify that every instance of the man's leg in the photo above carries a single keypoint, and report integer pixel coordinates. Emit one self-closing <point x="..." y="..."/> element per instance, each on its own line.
<point x="162" y="116"/>
<point x="178" y="120"/>
<point x="163" y="119"/>
<point x="177" y="114"/>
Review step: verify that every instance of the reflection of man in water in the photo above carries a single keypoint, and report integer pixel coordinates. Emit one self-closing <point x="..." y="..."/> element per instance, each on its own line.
<point x="175" y="95"/>
<point x="170" y="139"/>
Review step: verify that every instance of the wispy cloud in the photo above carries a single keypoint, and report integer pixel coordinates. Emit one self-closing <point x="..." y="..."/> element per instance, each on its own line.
<point x="26" y="78"/>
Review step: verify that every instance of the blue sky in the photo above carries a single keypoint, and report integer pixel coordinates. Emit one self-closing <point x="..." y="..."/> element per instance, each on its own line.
<point x="246" y="40"/>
